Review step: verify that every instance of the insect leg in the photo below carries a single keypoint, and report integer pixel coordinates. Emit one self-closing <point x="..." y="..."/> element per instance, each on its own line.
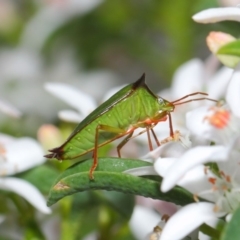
<point x="153" y="133"/>
<point x="105" y="128"/>
<point x="125" y="140"/>
<point x="155" y="137"/>
<point x="149" y="139"/>
<point x="170" y="125"/>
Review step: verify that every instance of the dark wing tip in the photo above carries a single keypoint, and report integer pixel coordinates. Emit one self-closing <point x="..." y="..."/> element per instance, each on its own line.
<point x="140" y="82"/>
<point x="55" y="153"/>
<point x="50" y="155"/>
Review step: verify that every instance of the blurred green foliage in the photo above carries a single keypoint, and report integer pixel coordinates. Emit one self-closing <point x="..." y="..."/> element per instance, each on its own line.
<point x="130" y="36"/>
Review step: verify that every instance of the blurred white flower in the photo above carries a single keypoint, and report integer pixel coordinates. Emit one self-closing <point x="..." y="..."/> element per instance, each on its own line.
<point x="152" y="210"/>
<point x="228" y="3"/>
<point x="8" y="109"/>
<point x="22" y="73"/>
<point x="138" y="224"/>
<point x="19" y="64"/>
<point x="79" y="100"/>
<point x="17" y="155"/>
<point x="213" y="15"/>
<point x="51" y="17"/>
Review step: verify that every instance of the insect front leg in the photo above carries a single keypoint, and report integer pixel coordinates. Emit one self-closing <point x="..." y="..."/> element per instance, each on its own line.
<point x="120" y="132"/>
<point x="150" y="127"/>
<point x="170" y="125"/>
<point x="125" y="140"/>
<point x="155" y="137"/>
<point x="149" y="139"/>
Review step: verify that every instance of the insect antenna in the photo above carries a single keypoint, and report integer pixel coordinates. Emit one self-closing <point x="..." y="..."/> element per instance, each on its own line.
<point x="189" y="95"/>
<point x="196" y="99"/>
<point x="177" y="102"/>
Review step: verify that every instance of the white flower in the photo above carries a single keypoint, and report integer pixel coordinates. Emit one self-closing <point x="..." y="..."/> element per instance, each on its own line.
<point x="19" y="64"/>
<point x="213" y="15"/>
<point x="188" y="219"/>
<point x="146" y="224"/>
<point x="221" y="186"/>
<point x="8" y="109"/>
<point x="17" y="155"/>
<point x="233" y="96"/>
<point x="222" y="191"/>
<point x="139" y="227"/>
<point x="79" y="100"/>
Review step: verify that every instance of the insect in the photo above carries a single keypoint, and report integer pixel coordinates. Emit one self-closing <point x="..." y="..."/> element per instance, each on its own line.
<point x="134" y="106"/>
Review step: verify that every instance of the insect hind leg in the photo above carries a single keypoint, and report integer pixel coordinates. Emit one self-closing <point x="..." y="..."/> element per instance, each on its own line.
<point x="104" y="128"/>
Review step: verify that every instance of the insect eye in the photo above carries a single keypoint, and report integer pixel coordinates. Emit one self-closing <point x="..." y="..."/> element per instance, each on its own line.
<point x="160" y="100"/>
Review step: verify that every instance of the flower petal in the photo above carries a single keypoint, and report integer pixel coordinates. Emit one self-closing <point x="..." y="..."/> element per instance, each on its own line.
<point x="6" y="139"/>
<point x="233" y="92"/>
<point x="195" y="122"/>
<point x="217" y="85"/>
<point x="169" y="149"/>
<point x="189" y="160"/>
<point x="194" y="180"/>
<point x="20" y="155"/>
<point x="26" y="190"/>
<point x="162" y="165"/>
<point x="19" y="63"/>
<point x="75" y="98"/>
<point x="183" y="83"/>
<point x="143" y="221"/>
<point x="229" y="217"/>
<point x="213" y="15"/>
<point x="9" y="109"/>
<point x="112" y="91"/>
<point x="187" y="219"/>
<point x="70" y="116"/>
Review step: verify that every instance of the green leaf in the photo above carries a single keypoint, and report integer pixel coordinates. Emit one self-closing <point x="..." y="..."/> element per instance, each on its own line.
<point x="229" y="54"/>
<point x="232" y="230"/>
<point x="109" y="176"/>
<point x="122" y="203"/>
<point x="232" y="48"/>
